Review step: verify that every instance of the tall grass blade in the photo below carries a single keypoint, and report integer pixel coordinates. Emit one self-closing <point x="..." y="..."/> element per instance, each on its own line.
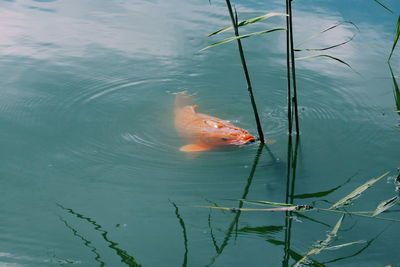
<point x="291" y="69"/>
<point x="330" y="57"/>
<point x="267" y="203"/>
<point x="293" y="208"/>
<point x="396" y="37"/>
<point x="247" y="22"/>
<point x="326" y="30"/>
<point x="241" y="37"/>
<point x="385" y="7"/>
<point x="319" y="246"/>
<point x="387" y="204"/>
<point x="358" y="191"/>
<point x="345" y="245"/>
<point x="396" y="89"/>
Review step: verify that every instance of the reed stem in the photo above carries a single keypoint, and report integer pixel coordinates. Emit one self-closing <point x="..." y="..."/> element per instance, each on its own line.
<point x="289" y="98"/>
<point x="245" y="70"/>
<point x="291" y="62"/>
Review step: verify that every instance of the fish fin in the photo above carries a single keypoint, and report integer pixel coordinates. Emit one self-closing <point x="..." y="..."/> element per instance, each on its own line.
<point x="194" y="107"/>
<point x="270" y="142"/>
<point x="194" y="148"/>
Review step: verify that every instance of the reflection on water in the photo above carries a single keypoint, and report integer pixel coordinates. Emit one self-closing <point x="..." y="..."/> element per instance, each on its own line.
<point x="86" y="115"/>
<point x="125" y="257"/>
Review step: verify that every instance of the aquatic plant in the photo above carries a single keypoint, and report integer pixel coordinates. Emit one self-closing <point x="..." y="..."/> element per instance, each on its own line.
<point x="396" y="89"/>
<point x="396" y="38"/>
<point x="291" y="71"/>
<point x="328" y="56"/>
<point x="384" y="6"/>
<point x="235" y="26"/>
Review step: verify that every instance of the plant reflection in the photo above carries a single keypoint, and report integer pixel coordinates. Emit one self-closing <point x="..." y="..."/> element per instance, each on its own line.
<point x="125" y="257"/>
<point x="185" y="239"/>
<point x="234" y="223"/>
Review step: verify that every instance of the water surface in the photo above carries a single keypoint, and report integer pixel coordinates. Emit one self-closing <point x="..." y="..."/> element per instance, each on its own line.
<point x="90" y="168"/>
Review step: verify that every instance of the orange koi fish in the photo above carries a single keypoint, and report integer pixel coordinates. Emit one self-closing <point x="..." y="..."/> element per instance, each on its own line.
<point x="204" y="132"/>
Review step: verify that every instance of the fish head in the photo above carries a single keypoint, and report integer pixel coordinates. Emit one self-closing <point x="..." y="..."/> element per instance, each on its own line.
<point x="225" y="135"/>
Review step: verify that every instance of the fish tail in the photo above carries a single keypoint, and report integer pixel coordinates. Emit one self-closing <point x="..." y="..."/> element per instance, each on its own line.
<point x="182" y="99"/>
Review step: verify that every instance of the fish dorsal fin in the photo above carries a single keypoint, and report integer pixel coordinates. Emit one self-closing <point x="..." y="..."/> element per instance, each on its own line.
<point x="194" y="148"/>
<point x="193" y="108"/>
<point x="182" y="99"/>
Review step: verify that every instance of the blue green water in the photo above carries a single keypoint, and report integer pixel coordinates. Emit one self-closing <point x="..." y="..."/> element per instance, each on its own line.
<point x="90" y="170"/>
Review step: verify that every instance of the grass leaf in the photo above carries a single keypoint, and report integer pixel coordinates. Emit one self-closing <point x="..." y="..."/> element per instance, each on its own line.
<point x="249" y="21"/>
<point x="356" y="192"/>
<point x="324" y="31"/>
<point x="319" y="246"/>
<point x="385" y="7"/>
<point x="241" y="37"/>
<point x="267" y="203"/>
<point x="387" y="204"/>
<point x="331" y="57"/>
<point x="396" y="37"/>
<point x="292" y="208"/>
<point x="345" y="245"/>
<point x="396" y="89"/>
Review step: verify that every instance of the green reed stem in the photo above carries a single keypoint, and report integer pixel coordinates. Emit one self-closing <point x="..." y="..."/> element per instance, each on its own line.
<point x="289" y="91"/>
<point x="290" y="50"/>
<point x="245" y="70"/>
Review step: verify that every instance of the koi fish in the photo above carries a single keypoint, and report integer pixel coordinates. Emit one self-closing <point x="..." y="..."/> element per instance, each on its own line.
<point x="204" y="132"/>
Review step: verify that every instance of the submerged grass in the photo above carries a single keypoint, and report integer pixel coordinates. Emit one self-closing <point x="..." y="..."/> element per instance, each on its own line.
<point x="328" y="242"/>
<point x="357" y="192"/>
<point x="325" y="244"/>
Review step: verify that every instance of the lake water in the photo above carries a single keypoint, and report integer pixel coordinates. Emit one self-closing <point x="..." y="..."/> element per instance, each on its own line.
<point x="90" y="168"/>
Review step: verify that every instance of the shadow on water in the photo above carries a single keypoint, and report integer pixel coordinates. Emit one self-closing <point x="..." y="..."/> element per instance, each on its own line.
<point x="124" y="256"/>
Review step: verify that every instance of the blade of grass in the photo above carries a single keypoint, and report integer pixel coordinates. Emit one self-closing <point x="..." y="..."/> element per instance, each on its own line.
<point x="326" y="30"/>
<point x="396" y="89"/>
<point x="345" y="245"/>
<point x="361" y="214"/>
<point x="358" y="191"/>
<point x="297" y="208"/>
<point x="330" y="57"/>
<point x="267" y="203"/>
<point x="385" y="7"/>
<point x="249" y="21"/>
<point x="396" y="37"/>
<point x="327" y="48"/>
<point x="319" y="246"/>
<point x="387" y="204"/>
<point x="227" y="40"/>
